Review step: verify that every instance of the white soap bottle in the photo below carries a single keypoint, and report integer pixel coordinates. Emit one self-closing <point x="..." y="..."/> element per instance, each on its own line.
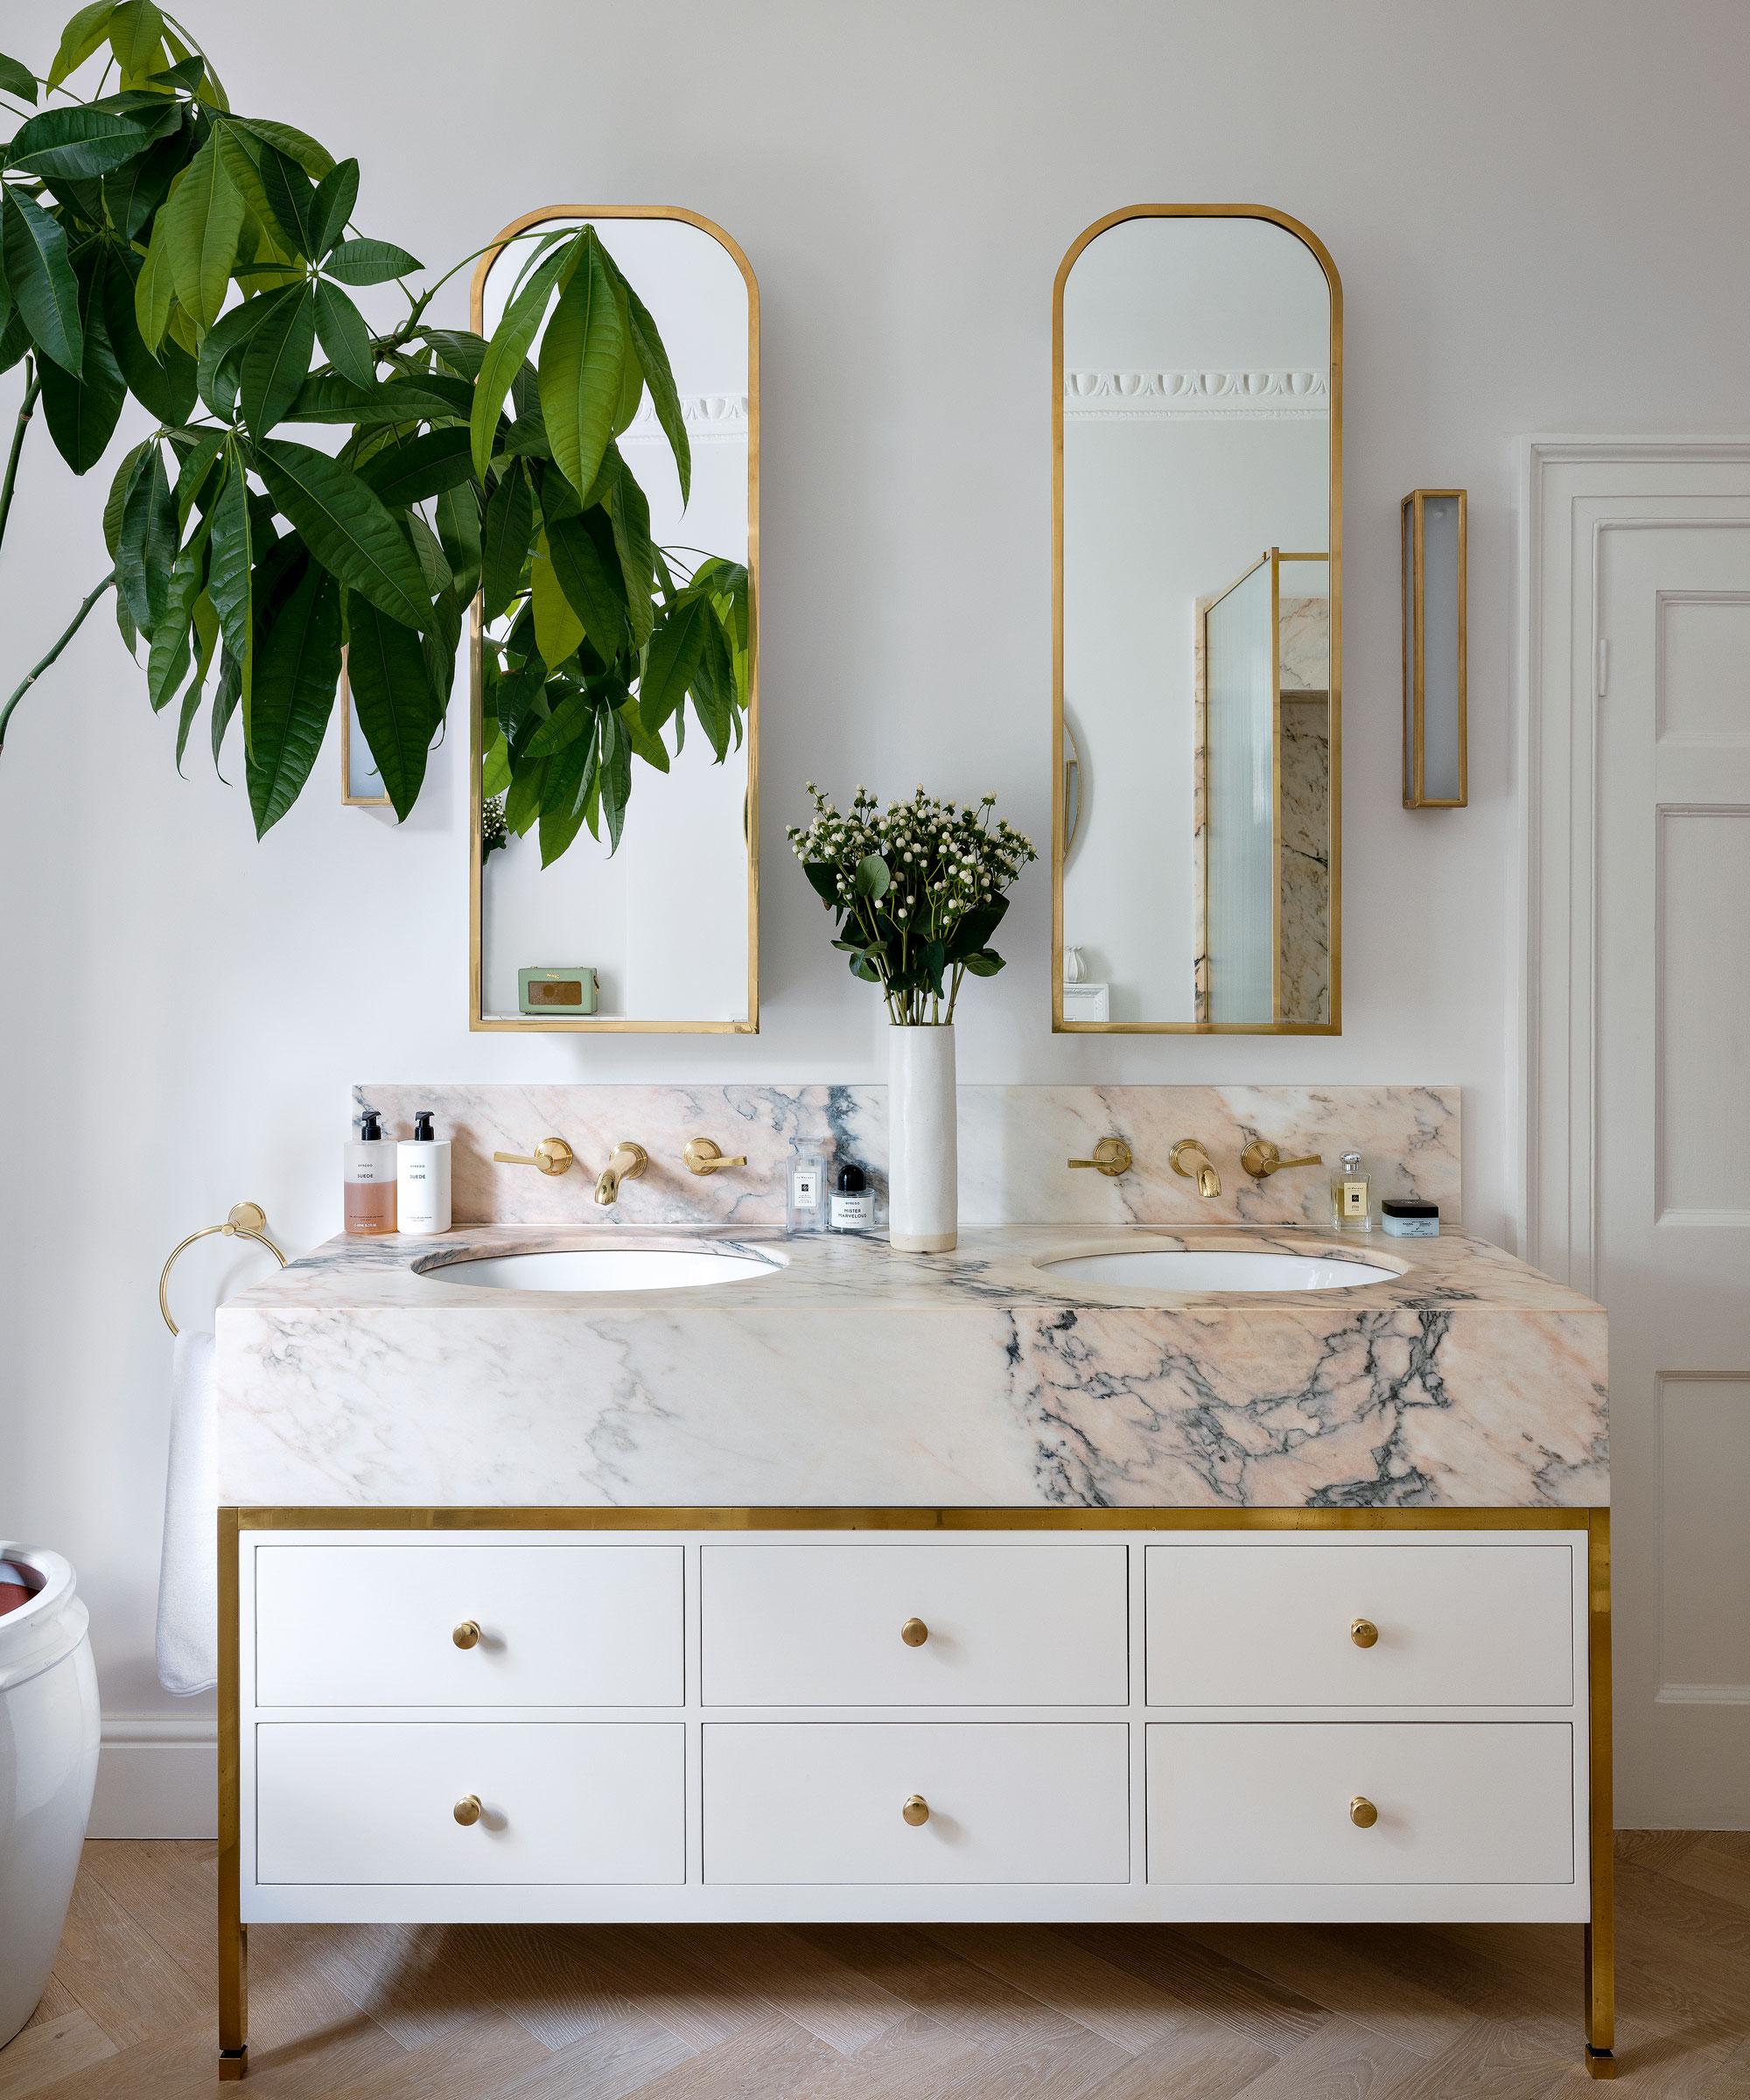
<point x="423" y="1178"/>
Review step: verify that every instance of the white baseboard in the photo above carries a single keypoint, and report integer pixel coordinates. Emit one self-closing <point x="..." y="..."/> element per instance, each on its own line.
<point x="157" y="1776"/>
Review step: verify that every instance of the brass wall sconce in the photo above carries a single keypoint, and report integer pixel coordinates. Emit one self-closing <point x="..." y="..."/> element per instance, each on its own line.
<point x="1434" y="734"/>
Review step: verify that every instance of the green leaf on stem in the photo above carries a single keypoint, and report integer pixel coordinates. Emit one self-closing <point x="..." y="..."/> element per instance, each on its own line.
<point x="77" y="142"/>
<point x="613" y="777"/>
<point x="579" y="369"/>
<point x="336" y="194"/>
<point x="566" y="794"/>
<point x="204" y="219"/>
<point x="504" y="541"/>
<point x="219" y="369"/>
<point x="146" y="545"/>
<point x="87" y="29"/>
<point x="653" y="364"/>
<point x="505" y="354"/>
<point x="871" y="878"/>
<point x="131" y="466"/>
<point x="575" y="713"/>
<point x="369" y="263"/>
<point x="652" y="750"/>
<point x="82" y="412"/>
<point x="17" y="79"/>
<point x="345" y="337"/>
<point x="296" y="676"/>
<point x="134" y="191"/>
<point x="329" y="398"/>
<point x="457" y="514"/>
<point x="424" y="467"/>
<point x="316" y="161"/>
<point x="460" y="349"/>
<point x="345" y="527"/>
<point x="226" y="694"/>
<point x="155" y="287"/>
<point x="136" y="30"/>
<point x="594" y="590"/>
<point x="397" y="710"/>
<point x="164" y="387"/>
<point x="631" y="516"/>
<point x="983" y="962"/>
<point x="522" y="801"/>
<point x="41" y="278"/>
<point x="291" y="198"/>
<point x="673" y="658"/>
<point x="276" y="362"/>
<point x="230" y="581"/>
<point x="557" y="629"/>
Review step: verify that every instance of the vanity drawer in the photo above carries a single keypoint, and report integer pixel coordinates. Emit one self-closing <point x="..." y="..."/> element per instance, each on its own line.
<point x="559" y="1626"/>
<point x="1004" y="1625"/>
<point x="821" y="1802"/>
<point x="562" y="1801"/>
<point x="1249" y="1801"/>
<point x="1271" y="1625"/>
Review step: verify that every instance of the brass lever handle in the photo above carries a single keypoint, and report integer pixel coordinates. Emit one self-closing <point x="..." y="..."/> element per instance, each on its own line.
<point x="1111" y="1157"/>
<point x="467" y="1634"/>
<point x="468" y="1810"/>
<point x="1209" y="1181"/>
<point x="916" y="1809"/>
<point x="1362" y="1813"/>
<point x="1261" y="1159"/>
<point x="551" y="1156"/>
<point x="704" y="1156"/>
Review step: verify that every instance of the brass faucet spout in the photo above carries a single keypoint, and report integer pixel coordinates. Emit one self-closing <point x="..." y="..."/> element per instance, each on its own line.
<point x="628" y="1162"/>
<point x="1209" y="1181"/>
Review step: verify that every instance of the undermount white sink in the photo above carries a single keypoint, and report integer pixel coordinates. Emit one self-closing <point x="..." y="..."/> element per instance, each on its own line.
<point x="1216" y="1269"/>
<point x="607" y="1269"/>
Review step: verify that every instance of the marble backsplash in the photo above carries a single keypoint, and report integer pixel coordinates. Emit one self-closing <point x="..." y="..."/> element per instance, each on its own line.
<point x="1015" y="1144"/>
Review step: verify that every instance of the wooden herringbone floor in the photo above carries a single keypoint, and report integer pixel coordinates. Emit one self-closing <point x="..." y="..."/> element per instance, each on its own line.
<point x="893" y="2012"/>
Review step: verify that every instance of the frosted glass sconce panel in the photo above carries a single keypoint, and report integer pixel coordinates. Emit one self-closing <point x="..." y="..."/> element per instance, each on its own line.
<point x="1434" y="776"/>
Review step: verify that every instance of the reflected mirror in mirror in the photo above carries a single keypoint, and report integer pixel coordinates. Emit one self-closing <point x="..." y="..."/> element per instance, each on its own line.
<point x="1197" y="808"/>
<point x="657" y="929"/>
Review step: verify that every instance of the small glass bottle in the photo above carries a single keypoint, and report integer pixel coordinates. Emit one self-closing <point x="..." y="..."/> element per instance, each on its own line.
<point x="805" y="1205"/>
<point x="367" y="1176"/>
<point x="1351" y="1196"/>
<point x="851" y="1207"/>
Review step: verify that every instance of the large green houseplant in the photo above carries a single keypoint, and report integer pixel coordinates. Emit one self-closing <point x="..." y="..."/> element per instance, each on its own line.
<point x="155" y="243"/>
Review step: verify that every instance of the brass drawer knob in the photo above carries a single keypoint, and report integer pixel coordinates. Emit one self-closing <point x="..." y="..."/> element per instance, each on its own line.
<point x="1363" y="1632"/>
<point x="467" y="1634"/>
<point x="914" y="1633"/>
<point x="468" y="1810"/>
<point x="1362" y="1813"/>
<point x="915" y="1811"/>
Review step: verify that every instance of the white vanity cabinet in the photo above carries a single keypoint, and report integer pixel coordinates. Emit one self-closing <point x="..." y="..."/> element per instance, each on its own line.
<point x="1089" y="1716"/>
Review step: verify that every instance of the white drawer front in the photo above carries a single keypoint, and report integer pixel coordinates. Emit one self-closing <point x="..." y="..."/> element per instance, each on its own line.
<point x="1005" y="1625"/>
<point x="1269" y="1802"/>
<point x="562" y="1801"/>
<point x="1270" y="1625"/>
<point x="559" y="1626"/>
<point x="823" y="1802"/>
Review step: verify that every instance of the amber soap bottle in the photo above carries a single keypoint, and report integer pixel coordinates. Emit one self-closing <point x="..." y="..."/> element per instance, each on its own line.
<point x="369" y="1178"/>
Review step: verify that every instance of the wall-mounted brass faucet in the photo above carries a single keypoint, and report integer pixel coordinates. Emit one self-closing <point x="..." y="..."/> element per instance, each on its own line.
<point x="704" y="1156"/>
<point x="1261" y="1159"/>
<point x="1209" y="1181"/>
<point x="1111" y="1157"/>
<point x="628" y="1162"/>
<point x="551" y="1156"/>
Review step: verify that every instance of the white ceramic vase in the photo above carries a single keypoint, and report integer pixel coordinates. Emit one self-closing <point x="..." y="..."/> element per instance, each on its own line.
<point x="49" y="1729"/>
<point x="923" y="1175"/>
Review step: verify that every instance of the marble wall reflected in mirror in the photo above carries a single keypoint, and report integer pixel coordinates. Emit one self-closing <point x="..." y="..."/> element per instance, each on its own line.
<point x="1197" y="356"/>
<point x="660" y="935"/>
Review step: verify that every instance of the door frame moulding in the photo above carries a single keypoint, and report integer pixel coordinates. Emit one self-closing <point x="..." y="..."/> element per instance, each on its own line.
<point x="1556" y="693"/>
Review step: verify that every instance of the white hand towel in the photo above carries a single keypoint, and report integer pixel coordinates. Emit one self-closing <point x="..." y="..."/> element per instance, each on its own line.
<point x="188" y="1584"/>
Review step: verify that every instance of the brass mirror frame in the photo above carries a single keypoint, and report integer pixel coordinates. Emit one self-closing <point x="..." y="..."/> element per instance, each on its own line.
<point x="480" y="1022"/>
<point x="1310" y="240"/>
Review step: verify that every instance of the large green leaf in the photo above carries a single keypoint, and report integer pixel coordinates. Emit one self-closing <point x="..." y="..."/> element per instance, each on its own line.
<point x="674" y="656"/>
<point x="504" y="541"/>
<point x="595" y="591"/>
<point x="368" y="262"/>
<point x="653" y="362"/>
<point x="336" y="194"/>
<point x="276" y="362"/>
<point x="73" y="142"/>
<point x="522" y="802"/>
<point x="82" y="412"/>
<point x="652" y="750"/>
<point x="575" y="713"/>
<point x="345" y="527"/>
<point x="505" y="352"/>
<point x="423" y="466"/>
<point x="218" y="368"/>
<point x="296" y="674"/>
<point x="345" y="337"/>
<point x="291" y="198"/>
<point x="226" y="696"/>
<point x="457" y="514"/>
<point x="120" y="489"/>
<point x="196" y="471"/>
<point x="397" y="709"/>
<point x="579" y="369"/>
<point x="17" y="78"/>
<point x="87" y="29"/>
<point x="41" y="278"/>
<point x="136" y="30"/>
<point x="613" y="776"/>
<point x="631" y="515"/>
<point x="207" y="633"/>
<point x="567" y="790"/>
<point x="164" y="386"/>
<point x="146" y="545"/>
<point x="134" y="191"/>
<point x="460" y="349"/>
<point x="514" y="702"/>
<point x="328" y="398"/>
<point x="241" y="166"/>
<point x="204" y="220"/>
<point x="713" y="687"/>
<point x="315" y="160"/>
<point x="155" y="287"/>
<point x="557" y="629"/>
<point x="230" y="582"/>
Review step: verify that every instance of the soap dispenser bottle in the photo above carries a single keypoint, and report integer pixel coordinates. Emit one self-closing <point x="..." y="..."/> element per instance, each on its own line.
<point x="368" y="1177"/>
<point x="1351" y="1196"/>
<point x="423" y="1178"/>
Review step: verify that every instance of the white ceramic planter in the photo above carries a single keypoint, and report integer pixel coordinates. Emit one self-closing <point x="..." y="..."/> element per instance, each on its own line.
<point x="923" y="1174"/>
<point x="48" y="1765"/>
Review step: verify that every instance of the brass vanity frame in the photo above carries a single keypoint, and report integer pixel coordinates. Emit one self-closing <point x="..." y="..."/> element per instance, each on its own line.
<point x="1059" y="851"/>
<point x="479" y="1021"/>
<point x="1599" y="1949"/>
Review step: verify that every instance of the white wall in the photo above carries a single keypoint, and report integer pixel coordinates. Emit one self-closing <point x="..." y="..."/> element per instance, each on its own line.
<point x="1536" y="214"/>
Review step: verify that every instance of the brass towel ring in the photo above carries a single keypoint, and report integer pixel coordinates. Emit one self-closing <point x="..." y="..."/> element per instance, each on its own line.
<point x="246" y="1222"/>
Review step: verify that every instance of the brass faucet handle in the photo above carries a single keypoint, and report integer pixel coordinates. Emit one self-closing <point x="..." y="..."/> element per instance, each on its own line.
<point x="551" y="1156"/>
<point x="1261" y="1159"/>
<point x="1111" y="1157"/>
<point x="704" y="1156"/>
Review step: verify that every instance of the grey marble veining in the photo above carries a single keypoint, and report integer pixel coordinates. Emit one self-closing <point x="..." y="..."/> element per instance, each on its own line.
<point x="853" y="1374"/>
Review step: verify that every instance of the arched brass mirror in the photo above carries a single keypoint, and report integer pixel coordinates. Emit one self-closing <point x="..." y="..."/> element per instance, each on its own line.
<point x="1197" y="498"/>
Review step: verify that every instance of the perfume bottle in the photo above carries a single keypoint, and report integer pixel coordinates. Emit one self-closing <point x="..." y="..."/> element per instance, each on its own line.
<point x="1351" y="1196"/>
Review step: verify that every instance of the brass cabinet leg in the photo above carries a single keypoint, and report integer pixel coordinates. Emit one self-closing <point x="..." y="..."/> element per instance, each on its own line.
<point x="234" y="1951"/>
<point x="1601" y="1935"/>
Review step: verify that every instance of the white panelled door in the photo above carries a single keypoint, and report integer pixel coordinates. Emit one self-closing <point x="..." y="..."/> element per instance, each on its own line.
<point x="1671" y="1141"/>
